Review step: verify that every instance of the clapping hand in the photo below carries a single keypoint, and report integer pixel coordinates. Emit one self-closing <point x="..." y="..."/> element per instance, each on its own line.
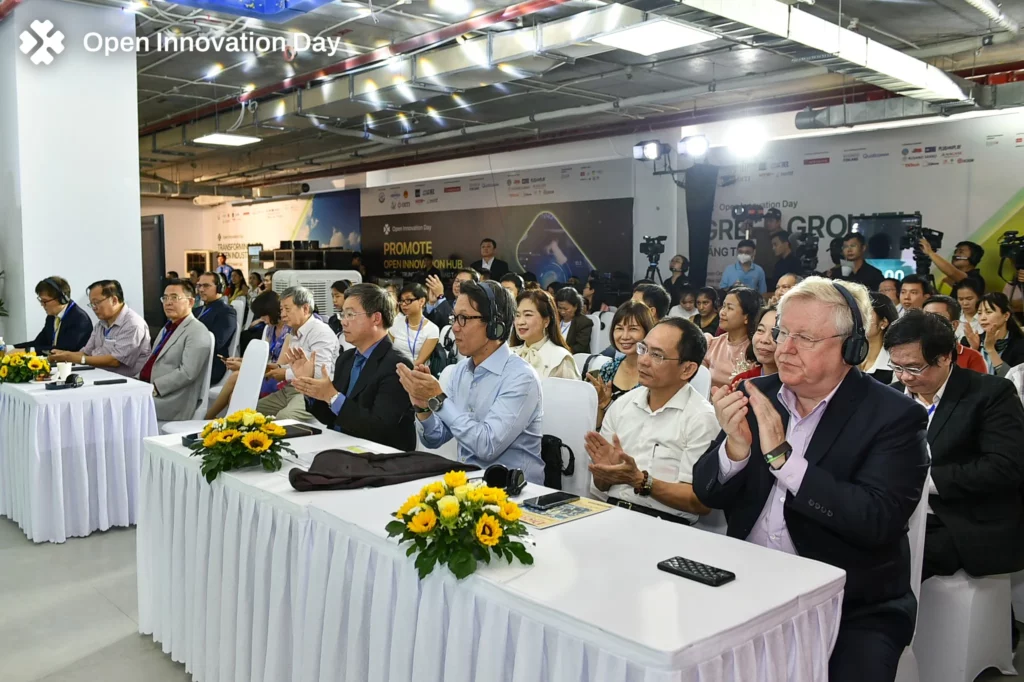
<point x="731" y="408"/>
<point x="601" y="451"/>
<point x="770" y="430"/>
<point x="435" y="289"/>
<point x="972" y="336"/>
<point x="317" y="389"/>
<point x="419" y="383"/>
<point x="296" y="359"/>
<point x="604" y="390"/>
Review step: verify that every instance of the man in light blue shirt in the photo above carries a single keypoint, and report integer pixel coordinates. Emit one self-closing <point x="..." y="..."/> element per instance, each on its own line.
<point x="745" y="271"/>
<point x="493" y="404"/>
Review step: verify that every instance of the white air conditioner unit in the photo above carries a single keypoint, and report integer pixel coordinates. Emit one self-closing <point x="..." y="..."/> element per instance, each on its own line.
<point x="318" y="282"/>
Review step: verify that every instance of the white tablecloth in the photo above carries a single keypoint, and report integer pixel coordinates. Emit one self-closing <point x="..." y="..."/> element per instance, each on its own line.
<point x="69" y="460"/>
<point x="248" y="580"/>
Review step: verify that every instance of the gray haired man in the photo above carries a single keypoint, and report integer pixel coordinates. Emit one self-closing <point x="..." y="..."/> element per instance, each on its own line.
<point x="311" y="339"/>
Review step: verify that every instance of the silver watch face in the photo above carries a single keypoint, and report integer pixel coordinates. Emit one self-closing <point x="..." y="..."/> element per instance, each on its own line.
<point x="435" y="403"/>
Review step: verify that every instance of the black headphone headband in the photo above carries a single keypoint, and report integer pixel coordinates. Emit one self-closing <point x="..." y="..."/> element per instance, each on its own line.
<point x="495" y="321"/>
<point x="62" y="298"/>
<point x="855" y="346"/>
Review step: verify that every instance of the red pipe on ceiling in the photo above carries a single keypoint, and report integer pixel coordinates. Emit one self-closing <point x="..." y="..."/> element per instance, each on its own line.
<point x="7" y="7"/>
<point x="415" y="43"/>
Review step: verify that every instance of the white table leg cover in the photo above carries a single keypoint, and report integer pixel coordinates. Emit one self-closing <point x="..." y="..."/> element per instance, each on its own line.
<point x="68" y="469"/>
<point x="242" y="587"/>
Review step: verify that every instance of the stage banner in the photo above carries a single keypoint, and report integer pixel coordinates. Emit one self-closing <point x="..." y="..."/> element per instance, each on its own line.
<point x="957" y="175"/>
<point x="554" y="222"/>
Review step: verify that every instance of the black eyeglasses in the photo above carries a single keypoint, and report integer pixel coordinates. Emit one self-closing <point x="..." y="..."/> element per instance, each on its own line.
<point x="461" y="320"/>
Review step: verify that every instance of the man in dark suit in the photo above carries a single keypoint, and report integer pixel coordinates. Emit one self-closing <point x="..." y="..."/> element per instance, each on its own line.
<point x="976" y="432"/>
<point x="823" y="461"/>
<point x="67" y="326"/>
<point x="439" y="309"/>
<point x="365" y="398"/>
<point x="488" y="261"/>
<point x="219" y="317"/>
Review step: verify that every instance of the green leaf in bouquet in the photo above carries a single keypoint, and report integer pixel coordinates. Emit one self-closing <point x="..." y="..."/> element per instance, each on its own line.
<point x="412" y="550"/>
<point x="462" y="563"/>
<point x="425" y="564"/>
<point x="395" y="528"/>
<point x="520" y="553"/>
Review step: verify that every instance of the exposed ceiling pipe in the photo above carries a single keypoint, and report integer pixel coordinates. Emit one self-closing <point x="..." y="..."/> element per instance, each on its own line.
<point x="995" y="14"/>
<point x="348" y="132"/>
<point x="163" y="188"/>
<point x="964" y="45"/>
<point x="410" y="45"/>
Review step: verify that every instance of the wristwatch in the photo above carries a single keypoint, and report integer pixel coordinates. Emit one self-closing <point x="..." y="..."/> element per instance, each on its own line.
<point x="645" y="488"/>
<point x="434" y="404"/>
<point x="777" y="458"/>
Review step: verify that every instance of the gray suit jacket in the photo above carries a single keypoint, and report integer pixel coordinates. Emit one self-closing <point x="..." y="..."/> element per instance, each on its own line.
<point x="179" y="370"/>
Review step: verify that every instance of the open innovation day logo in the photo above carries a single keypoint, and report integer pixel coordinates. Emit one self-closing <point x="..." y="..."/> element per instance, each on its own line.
<point x="42" y="43"/>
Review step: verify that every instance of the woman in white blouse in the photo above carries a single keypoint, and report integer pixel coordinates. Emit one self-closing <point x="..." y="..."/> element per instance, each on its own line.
<point x="538" y="339"/>
<point x="412" y="334"/>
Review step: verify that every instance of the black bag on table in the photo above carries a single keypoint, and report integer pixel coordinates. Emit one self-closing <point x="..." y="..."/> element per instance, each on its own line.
<point x="344" y="470"/>
<point x="551" y="452"/>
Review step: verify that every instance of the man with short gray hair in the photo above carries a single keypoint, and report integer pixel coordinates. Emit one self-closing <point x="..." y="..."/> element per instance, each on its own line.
<point x="309" y="336"/>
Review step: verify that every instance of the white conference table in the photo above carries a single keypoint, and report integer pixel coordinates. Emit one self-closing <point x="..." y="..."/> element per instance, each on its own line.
<point x="249" y="580"/>
<point x="69" y="460"/>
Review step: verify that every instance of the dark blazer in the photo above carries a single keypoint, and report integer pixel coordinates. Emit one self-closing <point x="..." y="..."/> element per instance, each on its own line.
<point x="499" y="268"/>
<point x="578" y="336"/>
<point x="867" y="463"/>
<point x="977" y="442"/>
<point x="75" y="330"/>
<point x="441" y="315"/>
<point x="378" y="408"/>
<point x="221" y="319"/>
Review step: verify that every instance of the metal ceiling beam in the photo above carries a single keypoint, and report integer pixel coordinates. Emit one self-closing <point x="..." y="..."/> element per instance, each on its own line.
<point x="403" y="47"/>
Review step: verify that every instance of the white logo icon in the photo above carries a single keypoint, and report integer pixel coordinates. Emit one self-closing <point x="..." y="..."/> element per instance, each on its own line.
<point x="48" y="43"/>
<point x="387" y="229"/>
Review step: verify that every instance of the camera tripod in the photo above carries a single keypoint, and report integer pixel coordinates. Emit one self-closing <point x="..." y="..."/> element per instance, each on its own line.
<point x="653" y="273"/>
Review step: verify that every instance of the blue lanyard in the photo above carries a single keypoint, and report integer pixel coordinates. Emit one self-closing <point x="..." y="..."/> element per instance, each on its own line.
<point x="408" y="334"/>
<point x="106" y="332"/>
<point x="205" y="310"/>
<point x="276" y="342"/>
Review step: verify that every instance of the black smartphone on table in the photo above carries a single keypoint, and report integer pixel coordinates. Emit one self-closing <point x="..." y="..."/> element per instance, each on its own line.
<point x="550" y="501"/>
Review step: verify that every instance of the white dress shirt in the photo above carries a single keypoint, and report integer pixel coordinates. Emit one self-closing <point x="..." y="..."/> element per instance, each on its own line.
<point x="666" y="443"/>
<point x="316" y="336"/>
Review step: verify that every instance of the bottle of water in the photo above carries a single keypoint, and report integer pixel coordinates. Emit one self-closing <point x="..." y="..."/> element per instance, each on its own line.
<point x="3" y="348"/>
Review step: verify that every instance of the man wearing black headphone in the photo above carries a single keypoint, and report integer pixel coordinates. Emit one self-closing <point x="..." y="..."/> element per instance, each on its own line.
<point x="492" y="403"/>
<point x="219" y="317"/>
<point x="966" y="257"/>
<point x="67" y="326"/>
<point x="824" y="462"/>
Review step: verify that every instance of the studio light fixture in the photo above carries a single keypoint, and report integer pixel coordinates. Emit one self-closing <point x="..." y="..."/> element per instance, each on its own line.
<point x="695" y="146"/>
<point x="226" y="140"/>
<point x="657" y="34"/>
<point x="746" y="138"/>
<point x="650" y="150"/>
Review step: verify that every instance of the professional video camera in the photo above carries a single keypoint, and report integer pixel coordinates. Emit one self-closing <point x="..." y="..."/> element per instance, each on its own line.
<point x="653" y="247"/>
<point x="806" y="250"/>
<point x="1011" y="247"/>
<point x="911" y="239"/>
<point x="747" y="213"/>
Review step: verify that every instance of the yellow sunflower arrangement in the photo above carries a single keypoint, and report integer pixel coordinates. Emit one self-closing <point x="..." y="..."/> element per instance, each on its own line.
<point x="21" y="368"/>
<point x="240" y="440"/>
<point x="459" y="523"/>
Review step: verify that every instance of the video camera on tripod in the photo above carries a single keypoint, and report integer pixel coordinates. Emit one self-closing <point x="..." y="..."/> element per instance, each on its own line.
<point x="806" y="249"/>
<point x="747" y="213"/>
<point x="653" y="247"/>
<point x="911" y="239"/>
<point x="1011" y="248"/>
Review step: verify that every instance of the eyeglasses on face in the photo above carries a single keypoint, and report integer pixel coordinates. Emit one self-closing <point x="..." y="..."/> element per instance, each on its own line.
<point x="174" y="298"/>
<point x="44" y="301"/>
<point x="96" y="304"/>
<point x="407" y="301"/>
<point x="657" y="357"/>
<point x="461" y="320"/>
<point x="802" y="342"/>
<point x="913" y="371"/>
<point x="350" y="315"/>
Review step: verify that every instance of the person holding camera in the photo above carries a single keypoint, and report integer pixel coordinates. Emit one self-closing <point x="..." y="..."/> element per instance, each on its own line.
<point x="1014" y="292"/>
<point x="745" y="271"/>
<point x="966" y="257"/>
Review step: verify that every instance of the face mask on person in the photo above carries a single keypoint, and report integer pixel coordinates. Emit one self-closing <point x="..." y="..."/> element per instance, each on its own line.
<point x="744" y="258"/>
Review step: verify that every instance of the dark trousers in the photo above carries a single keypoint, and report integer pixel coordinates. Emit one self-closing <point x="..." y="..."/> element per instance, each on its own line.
<point x="940" y="555"/>
<point x="869" y="647"/>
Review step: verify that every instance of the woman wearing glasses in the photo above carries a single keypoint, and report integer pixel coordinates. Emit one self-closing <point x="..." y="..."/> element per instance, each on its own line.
<point x="268" y="326"/>
<point x="412" y="334"/>
<point x="538" y="338"/>
<point x="727" y="353"/>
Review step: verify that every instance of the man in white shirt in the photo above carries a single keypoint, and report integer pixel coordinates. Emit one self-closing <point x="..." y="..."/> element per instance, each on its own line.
<point x="310" y="336"/>
<point x="650" y="438"/>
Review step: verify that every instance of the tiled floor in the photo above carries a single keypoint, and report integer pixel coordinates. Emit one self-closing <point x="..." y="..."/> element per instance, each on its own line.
<point x="69" y="613"/>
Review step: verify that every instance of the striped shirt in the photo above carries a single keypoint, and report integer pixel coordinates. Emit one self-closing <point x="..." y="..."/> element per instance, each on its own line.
<point x="127" y="339"/>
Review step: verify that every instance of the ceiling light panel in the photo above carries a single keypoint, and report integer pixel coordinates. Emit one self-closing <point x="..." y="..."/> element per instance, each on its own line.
<point x="654" y="36"/>
<point x="226" y="140"/>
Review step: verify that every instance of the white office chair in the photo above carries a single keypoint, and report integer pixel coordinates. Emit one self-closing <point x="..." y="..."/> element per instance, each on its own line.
<point x="246" y="393"/>
<point x="598" y="337"/>
<point x="596" y="362"/>
<point x="908" y="670"/>
<point x="216" y="388"/>
<point x="239" y="306"/>
<point x="570" y="411"/>
<point x="446" y="339"/>
<point x="1016" y="375"/>
<point x="581" y="360"/>
<point x="449" y="450"/>
<point x="963" y="627"/>
<point x="701" y="382"/>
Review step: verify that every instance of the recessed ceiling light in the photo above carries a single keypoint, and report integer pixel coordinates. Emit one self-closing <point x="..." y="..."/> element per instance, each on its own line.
<point x="226" y="140"/>
<point x="214" y="70"/>
<point x="655" y="35"/>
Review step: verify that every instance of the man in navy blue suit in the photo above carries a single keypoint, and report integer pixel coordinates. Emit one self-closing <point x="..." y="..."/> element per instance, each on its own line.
<point x="67" y="326"/>
<point x="219" y="317"/>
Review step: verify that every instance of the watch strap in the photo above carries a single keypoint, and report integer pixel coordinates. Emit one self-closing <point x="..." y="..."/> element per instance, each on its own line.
<point x="778" y="453"/>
